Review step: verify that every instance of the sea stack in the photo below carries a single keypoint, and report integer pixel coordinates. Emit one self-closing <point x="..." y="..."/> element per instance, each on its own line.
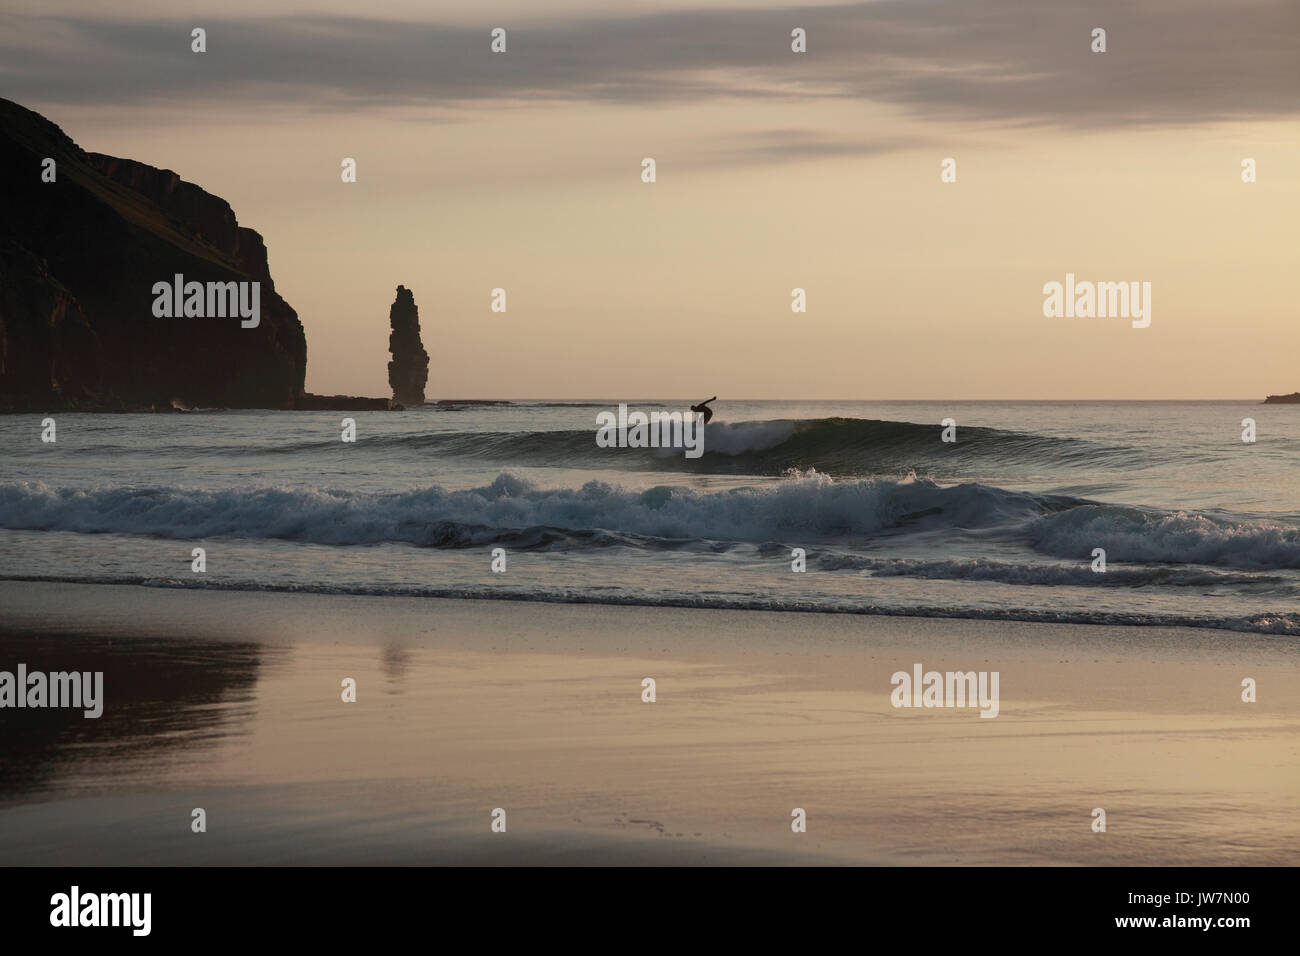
<point x="409" y="370"/>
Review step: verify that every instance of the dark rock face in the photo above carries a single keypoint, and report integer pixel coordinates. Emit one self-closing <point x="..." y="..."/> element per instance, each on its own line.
<point x="345" y="403"/>
<point x="409" y="370"/>
<point x="47" y="346"/>
<point x="78" y="261"/>
<point x="1292" y="399"/>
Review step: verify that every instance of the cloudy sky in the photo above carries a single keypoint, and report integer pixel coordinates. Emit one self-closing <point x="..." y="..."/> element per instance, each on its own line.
<point x="776" y="170"/>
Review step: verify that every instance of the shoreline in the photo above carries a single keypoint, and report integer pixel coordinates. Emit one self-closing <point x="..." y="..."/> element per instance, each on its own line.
<point x="994" y="615"/>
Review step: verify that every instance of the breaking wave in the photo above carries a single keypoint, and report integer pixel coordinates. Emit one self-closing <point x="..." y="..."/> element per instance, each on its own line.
<point x="805" y="508"/>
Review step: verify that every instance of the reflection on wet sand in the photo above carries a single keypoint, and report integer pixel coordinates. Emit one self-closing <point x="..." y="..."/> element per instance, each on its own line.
<point x="165" y="703"/>
<point x="396" y="661"/>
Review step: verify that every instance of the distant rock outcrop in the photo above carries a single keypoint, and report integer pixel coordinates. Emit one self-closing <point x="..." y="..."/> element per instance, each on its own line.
<point x="1292" y="399"/>
<point x="408" y="372"/>
<point x="345" y="403"/>
<point x="79" y="257"/>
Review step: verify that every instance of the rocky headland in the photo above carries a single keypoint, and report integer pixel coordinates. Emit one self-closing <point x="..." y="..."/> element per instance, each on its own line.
<point x="84" y="240"/>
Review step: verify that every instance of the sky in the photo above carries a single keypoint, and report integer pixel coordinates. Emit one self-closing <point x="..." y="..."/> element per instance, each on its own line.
<point x="775" y="170"/>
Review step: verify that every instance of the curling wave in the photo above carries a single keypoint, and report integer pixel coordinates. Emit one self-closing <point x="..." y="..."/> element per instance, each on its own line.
<point x="846" y="447"/>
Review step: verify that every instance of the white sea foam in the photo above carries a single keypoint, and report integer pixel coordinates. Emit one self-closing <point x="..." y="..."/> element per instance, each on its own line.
<point x="805" y="507"/>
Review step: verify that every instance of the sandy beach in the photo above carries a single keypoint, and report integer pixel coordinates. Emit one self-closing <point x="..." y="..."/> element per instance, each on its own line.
<point x="231" y="702"/>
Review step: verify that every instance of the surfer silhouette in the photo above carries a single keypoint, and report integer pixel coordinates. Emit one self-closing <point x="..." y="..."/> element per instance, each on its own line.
<point x="704" y="407"/>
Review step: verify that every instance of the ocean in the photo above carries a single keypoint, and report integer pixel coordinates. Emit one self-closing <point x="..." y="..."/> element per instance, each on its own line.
<point x="1198" y="527"/>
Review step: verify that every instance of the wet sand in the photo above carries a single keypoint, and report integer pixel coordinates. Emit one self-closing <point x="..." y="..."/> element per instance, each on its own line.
<point x="230" y="701"/>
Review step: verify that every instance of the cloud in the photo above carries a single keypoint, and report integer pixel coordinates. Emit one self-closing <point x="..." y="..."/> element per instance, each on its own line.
<point x="788" y="145"/>
<point x="1021" y="62"/>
